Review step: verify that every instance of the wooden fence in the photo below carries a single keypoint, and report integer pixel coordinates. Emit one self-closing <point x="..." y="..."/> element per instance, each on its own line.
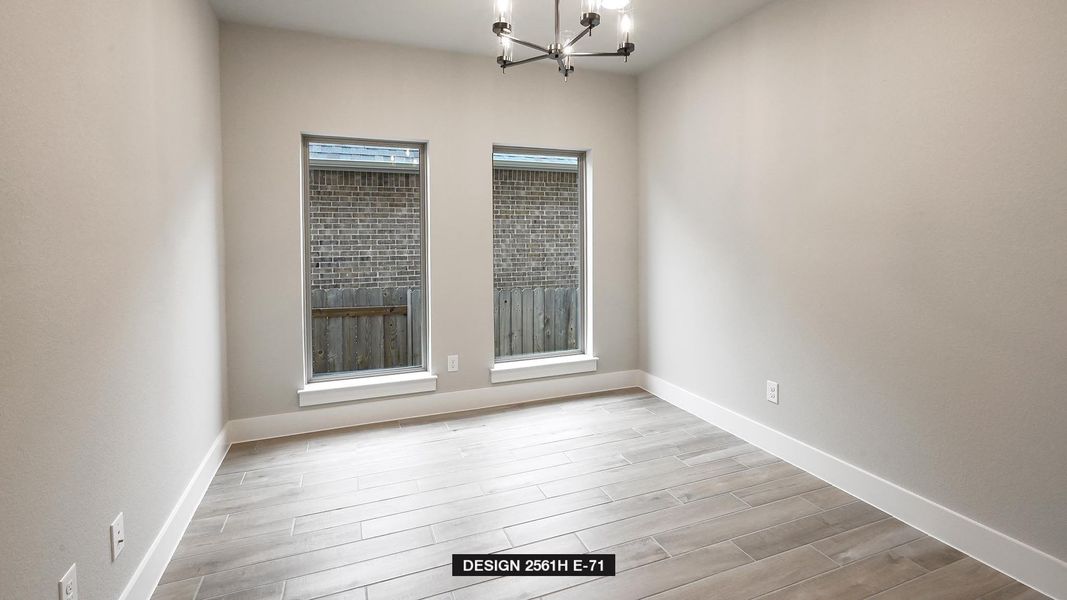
<point x="365" y="328"/>
<point x="356" y="329"/>
<point x="536" y="319"/>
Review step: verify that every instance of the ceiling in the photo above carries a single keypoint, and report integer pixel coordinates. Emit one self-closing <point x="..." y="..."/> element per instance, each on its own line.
<point x="662" y="26"/>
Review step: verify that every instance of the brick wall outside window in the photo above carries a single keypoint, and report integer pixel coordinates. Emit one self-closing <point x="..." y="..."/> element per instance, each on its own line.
<point x="365" y="229"/>
<point x="536" y="228"/>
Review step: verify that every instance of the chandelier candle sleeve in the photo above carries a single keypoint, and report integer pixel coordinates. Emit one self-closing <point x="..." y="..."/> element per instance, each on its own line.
<point x="501" y="16"/>
<point x="590" y="13"/>
<point x="567" y="65"/>
<point x="626" y="30"/>
<point x="507" y="51"/>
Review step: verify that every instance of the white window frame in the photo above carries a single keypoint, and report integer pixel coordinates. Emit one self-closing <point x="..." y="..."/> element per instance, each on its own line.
<point x="346" y="386"/>
<point x="566" y="362"/>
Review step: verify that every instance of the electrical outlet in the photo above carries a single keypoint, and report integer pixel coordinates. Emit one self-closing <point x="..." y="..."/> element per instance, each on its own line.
<point x="772" y="391"/>
<point x="68" y="585"/>
<point x="118" y="536"/>
<point x="453" y="362"/>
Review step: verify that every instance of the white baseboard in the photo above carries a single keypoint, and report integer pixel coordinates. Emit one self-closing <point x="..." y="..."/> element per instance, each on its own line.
<point x="1043" y="572"/>
<point x="422" y="405"/>
<point x="145" y="578"/>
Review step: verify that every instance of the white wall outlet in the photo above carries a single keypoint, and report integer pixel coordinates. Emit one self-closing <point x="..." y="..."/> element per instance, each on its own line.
<point x="453" y="362"/>
<point x="68" y="585"/>
<point x="772" y="391"/>
<point x="118" y="536"/>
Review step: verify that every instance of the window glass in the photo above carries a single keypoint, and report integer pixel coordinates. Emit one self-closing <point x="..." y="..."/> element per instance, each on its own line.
<point x="537" y="253"/>
<point x="364" y="212"/>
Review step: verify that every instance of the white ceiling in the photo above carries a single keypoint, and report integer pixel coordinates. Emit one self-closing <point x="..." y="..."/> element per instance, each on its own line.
<point x="662" y="26"/>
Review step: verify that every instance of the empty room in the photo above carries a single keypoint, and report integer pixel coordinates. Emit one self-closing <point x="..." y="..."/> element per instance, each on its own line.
<point x="533" y="299"/>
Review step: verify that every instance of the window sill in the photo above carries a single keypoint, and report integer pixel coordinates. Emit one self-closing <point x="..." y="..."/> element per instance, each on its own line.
<point x="542" y="367"/>
<point x="347" y="390"/>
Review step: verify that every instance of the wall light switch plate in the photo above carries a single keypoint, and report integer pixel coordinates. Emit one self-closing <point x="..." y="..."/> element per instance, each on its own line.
<point x="118" y="536"/>
<point x="453" y="362"/>
<point x="68" y="585"/>
<point x="772" y="391"/>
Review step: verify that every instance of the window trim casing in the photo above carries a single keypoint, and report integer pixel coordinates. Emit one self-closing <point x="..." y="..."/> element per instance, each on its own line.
<point x="581" y="321"/>
<point x="310" y="378"/>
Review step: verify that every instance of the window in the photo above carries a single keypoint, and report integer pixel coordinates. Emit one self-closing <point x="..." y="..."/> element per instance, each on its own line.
<point x="538" y="257"/>
<point x="365" y="276"/>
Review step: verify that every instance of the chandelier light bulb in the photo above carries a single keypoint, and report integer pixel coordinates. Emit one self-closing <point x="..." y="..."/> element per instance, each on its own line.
<point x="626" y="32"/>
<point x="507" y="51"/>
<point x="615" y="4"/>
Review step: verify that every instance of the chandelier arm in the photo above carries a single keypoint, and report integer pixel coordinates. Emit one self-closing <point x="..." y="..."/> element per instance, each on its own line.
<point x="524" y="61"/>
<point x="525" y="43"/>
<point x="575" y="39"/>
<point x="588" y="54"/>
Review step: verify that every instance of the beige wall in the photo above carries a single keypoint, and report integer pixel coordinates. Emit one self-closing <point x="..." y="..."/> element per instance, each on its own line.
<point x="111" y="349"/>
<point x="865" y="201"/>
<point x="278" y="84"/>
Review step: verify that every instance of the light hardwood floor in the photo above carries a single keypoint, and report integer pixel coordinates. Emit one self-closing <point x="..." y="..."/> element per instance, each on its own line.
<point x="690" y="511"/>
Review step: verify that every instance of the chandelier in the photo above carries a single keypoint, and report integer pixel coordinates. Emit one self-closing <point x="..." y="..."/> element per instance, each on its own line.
<point x="561" y="49"/>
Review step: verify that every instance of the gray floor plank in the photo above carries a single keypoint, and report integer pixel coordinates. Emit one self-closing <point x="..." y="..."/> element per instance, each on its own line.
<point x="867" y="540"/>
<point x="339" y="579"/>
<point x="962" y="580"/>
<point x="272" y="591"/>
<point x="259" y="549"/>
<point x="733" y="481"/>
<point x="177" y="590"/>
<point x="402" y="494"/>
<point x="506" y="517"/>
<point x="645" y="581"/>
<point x="521" y="465"/>
<point x="361" y="594"/>
<point x="1015" y="591"/>
<point x="779" y="489"/>
<point x="589" y="517"/>
<point x="238" y="500"/>
<point x="853" y="582"/>
<point x="307" y="521"/>
<point x="734" y="525"/>
<point x="648" y="524"/>
<point x="671" y="478"/>
<point x="280" y="569"/>
<point x="542" y="476"/>
<point x="808" y="529"/>
<point x="624" y="473"/>
<point x="929" y="553"/>
<point x="755" y="578"/>
<point x="633" y="446"/>
<point x="449" y="510"/>
<point x="829" y="497"/>
<point x="757" y="458"/>
<point x="703" y="456"/>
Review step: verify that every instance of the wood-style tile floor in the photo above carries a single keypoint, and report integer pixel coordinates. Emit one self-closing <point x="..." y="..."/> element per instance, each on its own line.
<point x="690" y="511"/>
